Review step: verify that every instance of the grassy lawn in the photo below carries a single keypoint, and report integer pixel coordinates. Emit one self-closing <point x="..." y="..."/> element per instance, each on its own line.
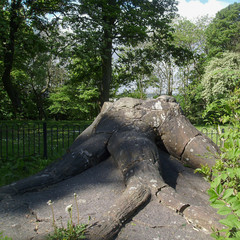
<point x="22" y="146"/>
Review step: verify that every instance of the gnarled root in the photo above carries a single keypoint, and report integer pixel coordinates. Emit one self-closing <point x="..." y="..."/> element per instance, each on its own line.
<point x="130" y="202"/>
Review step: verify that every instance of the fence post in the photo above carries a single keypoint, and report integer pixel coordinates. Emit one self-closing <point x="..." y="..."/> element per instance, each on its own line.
<point x="222" y="139"/>
<point x="45" y="140"/>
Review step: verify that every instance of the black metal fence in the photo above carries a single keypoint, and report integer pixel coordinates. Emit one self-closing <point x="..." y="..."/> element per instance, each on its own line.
<point x="48" y="140"/>
<point x="38" y="139"/>
<point x="214" y="135"/>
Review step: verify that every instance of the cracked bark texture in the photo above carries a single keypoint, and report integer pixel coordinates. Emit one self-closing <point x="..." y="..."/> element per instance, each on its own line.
<point x="133" y="132"/>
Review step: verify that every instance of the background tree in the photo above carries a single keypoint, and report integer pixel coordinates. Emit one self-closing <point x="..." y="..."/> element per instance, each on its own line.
<point x="192" y="36"/>
<point x="165" y="75"/>
<point x="78" y="96"/>
<point x="101" y="26"/>
<point x="224" y="32"/>
<point x="13" y="19"/>
<point x="221" y="77"/>
<point x="180" y="73"/>
<point x="24" y="30"/>
<point x="224" y="110"/>
<point x="132" y="71"/>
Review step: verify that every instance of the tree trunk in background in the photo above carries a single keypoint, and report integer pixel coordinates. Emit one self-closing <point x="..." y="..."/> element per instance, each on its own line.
<point x="106" y="56"/>
<point x="106" y="72"/>
<point x="9" y="55"/>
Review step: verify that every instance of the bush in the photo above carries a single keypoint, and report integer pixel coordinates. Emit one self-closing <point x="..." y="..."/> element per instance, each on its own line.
<point x="224" y="192"/>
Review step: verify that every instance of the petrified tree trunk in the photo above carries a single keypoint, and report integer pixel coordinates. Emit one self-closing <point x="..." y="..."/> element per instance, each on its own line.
<point x="133" y="132"/>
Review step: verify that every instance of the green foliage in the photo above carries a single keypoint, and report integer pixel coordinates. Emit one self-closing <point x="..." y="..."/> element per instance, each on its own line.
<point x="5" y="237"/>
<point x="224" y="192"/>
<point x="224" y="177"/>
<point x="5" y="105"/>
<point x="224" y="110"/>
<point x="27" y="37"/>
<point x="111" y="15"/>
<point x="216" y="78"/>
<point x="110" y="25"/>
<point x="132" y="93"/>
<point x="191" y="36"/>
<point x="73" y="231"/>
<point x="216" y="111"/>
<point x="192" y="102"/>
<point x="18" y="168"/>
<point x="68" y="102"/>
<point x="222" y="76"/>
<point x="79" y="97"/>
<point x="223" y="33"/>
<point x="70" y="233"/>
<point x="134" y="67"/>
<point x="74" y="67"/>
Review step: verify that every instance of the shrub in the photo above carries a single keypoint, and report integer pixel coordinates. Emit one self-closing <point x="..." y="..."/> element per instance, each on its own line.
<point x="224" y="177"/>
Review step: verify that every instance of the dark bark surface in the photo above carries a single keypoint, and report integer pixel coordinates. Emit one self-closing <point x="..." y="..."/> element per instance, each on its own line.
<point x="136" y="134"/>
<point x="9" y="56"/>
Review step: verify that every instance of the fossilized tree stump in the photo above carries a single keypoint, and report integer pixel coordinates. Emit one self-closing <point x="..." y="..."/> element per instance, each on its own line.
<point x="133" y="132"/>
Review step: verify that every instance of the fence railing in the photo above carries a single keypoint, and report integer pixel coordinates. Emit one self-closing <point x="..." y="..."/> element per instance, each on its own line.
<point x="48" y="140"/>
<point x="214" y="135"/>
<point x="38" y="139"/>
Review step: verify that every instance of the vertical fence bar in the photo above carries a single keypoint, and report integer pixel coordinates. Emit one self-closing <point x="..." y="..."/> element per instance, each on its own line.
<point x="39" y="140"/>
<point x="68" y="137"/>
<point x="52" y="140"/>
<point x="222" y="140"/>
<point x="18" y="140"/>
<point x="23" y="129"/>
<point x="63" y="137"/>
<point x="57" y="138"/>
<point x="6" y="142"/>
<point x="29" y="140"/>
<point x="34" y="145"/>
<point x="12" y="140"/>
<point x="45" y="140"/>
<point x="1" y="139"/>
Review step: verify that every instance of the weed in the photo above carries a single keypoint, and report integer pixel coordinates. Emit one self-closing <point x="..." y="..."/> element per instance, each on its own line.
<point x="73" y="231"/>
<point x="4" y="238"/>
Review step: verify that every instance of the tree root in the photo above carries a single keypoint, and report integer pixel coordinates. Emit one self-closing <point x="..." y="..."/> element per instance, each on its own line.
<point x="129" y="203"/>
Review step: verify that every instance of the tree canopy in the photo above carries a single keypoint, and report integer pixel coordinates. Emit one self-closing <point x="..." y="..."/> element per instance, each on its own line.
<point x="224" y="31"/>
<point x="26" y="42"/>
<point x="62" y="59"/>
<point x="216" y="75"/>
<point x="221" y="77"/>
<point x="103" y="26"/>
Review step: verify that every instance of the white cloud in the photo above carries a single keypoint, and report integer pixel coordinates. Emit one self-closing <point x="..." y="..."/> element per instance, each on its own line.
<point x="194" y="8"/>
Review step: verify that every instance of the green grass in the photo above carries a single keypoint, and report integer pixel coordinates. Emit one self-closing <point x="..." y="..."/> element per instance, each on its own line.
<point x="17" y="168"/>
<point x="4" y="237"/>
<point x="21" y="156"/>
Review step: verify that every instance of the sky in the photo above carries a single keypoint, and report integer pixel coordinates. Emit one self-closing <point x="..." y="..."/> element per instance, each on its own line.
<point x="192" y="9"/>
